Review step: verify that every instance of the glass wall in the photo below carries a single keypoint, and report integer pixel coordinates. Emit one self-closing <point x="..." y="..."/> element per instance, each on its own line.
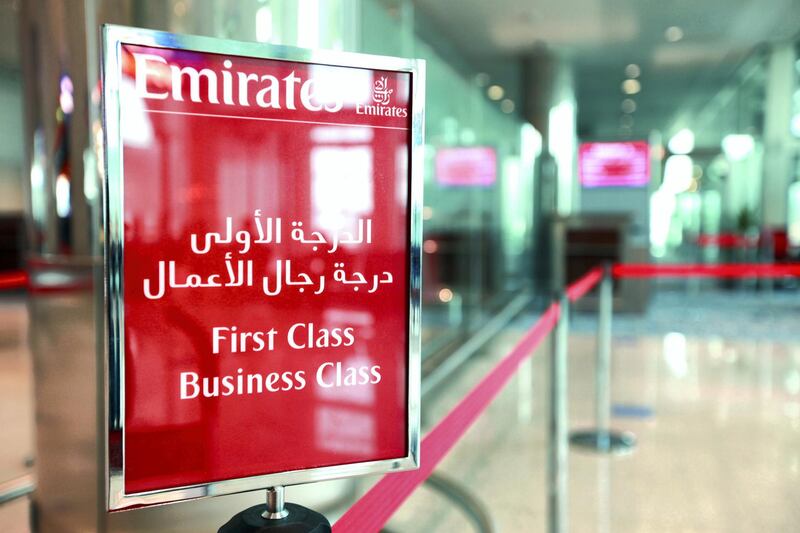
<point x="479" y="169"/>
<point x="479" y="174"/>
<point x="737" y="199"/>
<point x="725" y="205"/>
<point x="479" y="156"/>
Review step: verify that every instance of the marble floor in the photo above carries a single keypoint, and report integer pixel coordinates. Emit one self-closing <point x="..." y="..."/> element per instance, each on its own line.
<point x="16" y="408"/>
<point x="709" y="383"/>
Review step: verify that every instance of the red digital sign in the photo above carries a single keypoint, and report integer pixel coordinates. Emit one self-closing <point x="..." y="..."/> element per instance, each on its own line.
<point x="614" y="164"/>
<point x="473" y="166"/>
<point x="261" y="273"/>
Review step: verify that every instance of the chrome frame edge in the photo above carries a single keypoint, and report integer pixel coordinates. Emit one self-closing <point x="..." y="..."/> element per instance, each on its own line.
<point x="113" y="314"/>
<point x="417" y="148"/>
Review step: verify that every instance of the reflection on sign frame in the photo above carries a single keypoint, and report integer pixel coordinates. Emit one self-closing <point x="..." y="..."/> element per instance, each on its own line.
<point x="113" y="358"/>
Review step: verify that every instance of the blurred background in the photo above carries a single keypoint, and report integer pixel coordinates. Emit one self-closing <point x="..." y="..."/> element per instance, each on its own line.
<point x="559" y="135"/>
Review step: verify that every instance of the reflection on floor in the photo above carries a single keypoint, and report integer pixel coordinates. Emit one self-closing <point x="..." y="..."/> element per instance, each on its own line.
<point x="710" y="385"/>
<point x="717" y="419"/>
<point x="16" y="407"/>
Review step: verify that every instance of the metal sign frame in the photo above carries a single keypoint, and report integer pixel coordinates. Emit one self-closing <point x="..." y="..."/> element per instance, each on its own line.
<point x="114" y="354"/>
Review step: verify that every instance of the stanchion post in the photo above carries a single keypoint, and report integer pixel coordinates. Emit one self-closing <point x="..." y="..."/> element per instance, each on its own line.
<point x="768" y="282"/>
<point x="602" y="381"/>
<point x="601" y="438"/>
<point x="558" y="444"/>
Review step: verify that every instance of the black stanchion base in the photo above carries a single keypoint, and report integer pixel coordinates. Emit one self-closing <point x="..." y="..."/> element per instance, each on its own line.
<point x="604" y="442"/>
<point x="299" y="520"/>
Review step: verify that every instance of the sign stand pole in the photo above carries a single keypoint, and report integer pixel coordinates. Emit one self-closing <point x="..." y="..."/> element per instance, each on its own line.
<point x="602" y="439"/>
<point x="276" y="516"/>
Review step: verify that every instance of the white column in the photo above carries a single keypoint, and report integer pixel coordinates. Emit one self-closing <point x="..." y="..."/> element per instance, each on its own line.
<point x="778" y="143"/>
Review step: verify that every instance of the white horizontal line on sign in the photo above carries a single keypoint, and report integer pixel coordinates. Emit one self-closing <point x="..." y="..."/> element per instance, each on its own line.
<point x="163" y="112"/>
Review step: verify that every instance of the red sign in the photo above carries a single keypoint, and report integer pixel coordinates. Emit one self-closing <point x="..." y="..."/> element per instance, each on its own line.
<point x="265" y="212"/>
<point x="614" y="164"/>
<point x="474" y="166"/>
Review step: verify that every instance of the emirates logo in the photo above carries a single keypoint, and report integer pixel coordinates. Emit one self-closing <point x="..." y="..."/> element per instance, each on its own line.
<point x="381" y="98"/>
<point x="381" y="94"/>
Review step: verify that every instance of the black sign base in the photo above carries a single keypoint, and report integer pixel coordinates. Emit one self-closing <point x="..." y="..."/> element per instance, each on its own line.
<point x="300" y="520"/>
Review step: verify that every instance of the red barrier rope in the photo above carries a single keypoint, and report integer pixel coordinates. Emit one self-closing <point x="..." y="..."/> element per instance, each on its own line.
<point x="18" y="279"/>
<point x="744" y="270"/>
<point x="578" y="290"/>
<point x="728" y="240"/>
<point x="15" y="279"/>
<point x="375" y="508"/>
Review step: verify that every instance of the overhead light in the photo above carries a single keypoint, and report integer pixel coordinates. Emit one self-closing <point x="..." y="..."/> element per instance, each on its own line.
<point x="682" y="142"/>
<point x="264" y="24"/>
<point x="628" y="105"/>
<point x="626" y="121"/>
<point x="308" y="23"/>
<point x="495" y="92"/>
<point x="179" y="8"/>
<point x="677" y="174"/>
<point x="631" y="86"/>
<point x="633" y="70"/>
<point x="737" y="146"/>
<point x="719" y="166"/>
<point x="65" y="98"/>
<point x="445" y="295"/>
<point x="63" y="204"/>
<point x="794" y="126"/>
<point x="467" y="136"/>
<point x="482" y="79"/>
<point x="673" y="34"/>
<point x="507" y="106"/>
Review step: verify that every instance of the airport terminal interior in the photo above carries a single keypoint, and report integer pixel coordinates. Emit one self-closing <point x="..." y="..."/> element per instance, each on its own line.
<point x="610" y="262"/>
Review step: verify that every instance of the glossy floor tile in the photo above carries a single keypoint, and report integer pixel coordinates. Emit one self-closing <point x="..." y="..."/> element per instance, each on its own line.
<point x="16" y="408"/>
<point x="709" y="383"/>
<point x="715" y="407"/>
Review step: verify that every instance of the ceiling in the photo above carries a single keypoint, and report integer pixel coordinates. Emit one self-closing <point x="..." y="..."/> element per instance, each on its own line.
<point x="601" y="37"/>
<point x="9" y="46"/>
<point x="598" y="37"/>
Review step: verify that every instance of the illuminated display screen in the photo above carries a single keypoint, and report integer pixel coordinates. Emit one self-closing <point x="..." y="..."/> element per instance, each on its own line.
<point x="614" y="164"/>
<point x="474" y="166"/>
